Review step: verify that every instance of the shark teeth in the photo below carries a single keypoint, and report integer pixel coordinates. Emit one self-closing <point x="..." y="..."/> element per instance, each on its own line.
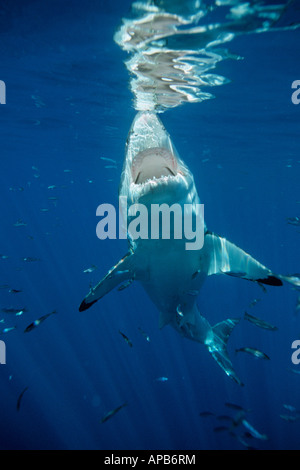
<point x="139" y="190"/>
<point x="156" y="181"/>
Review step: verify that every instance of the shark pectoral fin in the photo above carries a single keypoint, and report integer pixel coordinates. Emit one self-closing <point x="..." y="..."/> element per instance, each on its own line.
<point x="121" y="272"/>
<point x="227" y="258"/>
<point x="217" y="346"/>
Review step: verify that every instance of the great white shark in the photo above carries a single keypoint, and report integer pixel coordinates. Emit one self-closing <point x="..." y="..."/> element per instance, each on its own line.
<point x="172" y="276"/>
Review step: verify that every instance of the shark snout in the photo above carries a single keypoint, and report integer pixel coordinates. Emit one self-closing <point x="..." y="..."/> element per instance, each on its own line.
<point x="153" y="163"/>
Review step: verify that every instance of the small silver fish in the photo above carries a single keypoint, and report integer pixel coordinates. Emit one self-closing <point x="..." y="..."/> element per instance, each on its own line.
<point x="258" y="322"/>
<point x="254" y="302"/>
<point x="292" y="279"/>
<point x="20" y="398"/>
<point x="291" y="418"/>
<point x="254" y="352"/>
<point x="7" y="330"/>
<point x="253" y="431"/>
<point x="91" y="269"/>
<point x="14" y="311"/>
<point x="233" y="406"/>
<point x="20" y="223"/>
<point x="20" y="312"/>
<point x="108" y="159"/>
<point x="38" y="322"/>
<point x="125" y="285"/>
<point x="110" y="414"/>
<point x="290" y="408"/>
<point x="14" y="291"/>
<point x="126" y="339"/>
<point x="17" y="189"/>
<point x="295" y="371"/>
<point x="161" y="379"/>
<point x="293" y="221"/>
<point x="144" y="334"/>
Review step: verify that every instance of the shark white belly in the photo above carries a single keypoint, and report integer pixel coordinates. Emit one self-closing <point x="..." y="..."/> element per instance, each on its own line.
<point x="172" y="275"/>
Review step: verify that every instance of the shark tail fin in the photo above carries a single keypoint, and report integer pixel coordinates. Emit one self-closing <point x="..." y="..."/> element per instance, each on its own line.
<point x="217" y="346"/>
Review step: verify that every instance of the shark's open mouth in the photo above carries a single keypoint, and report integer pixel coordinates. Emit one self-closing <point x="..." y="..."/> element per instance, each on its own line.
<point x="153" y="164"/>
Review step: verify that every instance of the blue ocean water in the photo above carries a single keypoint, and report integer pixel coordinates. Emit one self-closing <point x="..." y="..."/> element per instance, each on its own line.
<point x="69" y="107"/>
